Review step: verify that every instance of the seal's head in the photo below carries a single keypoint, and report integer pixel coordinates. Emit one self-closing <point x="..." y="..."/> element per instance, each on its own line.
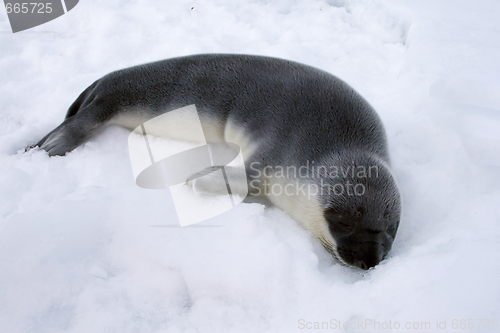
<point x="362" y="212"/>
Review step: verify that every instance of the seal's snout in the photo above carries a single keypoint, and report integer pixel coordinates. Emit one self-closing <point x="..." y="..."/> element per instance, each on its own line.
<point x="361" y="240"/>
<point x="364" y="256"/>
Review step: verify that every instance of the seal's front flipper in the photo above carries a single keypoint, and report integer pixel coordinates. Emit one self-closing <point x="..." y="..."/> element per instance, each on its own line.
<point x="220" y="180"/>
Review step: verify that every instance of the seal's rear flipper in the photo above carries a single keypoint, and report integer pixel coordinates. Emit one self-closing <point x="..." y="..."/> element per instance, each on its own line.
<point x="63" y="139"/>
<point x="73" y="132"/>
<point x="83" y="118"/>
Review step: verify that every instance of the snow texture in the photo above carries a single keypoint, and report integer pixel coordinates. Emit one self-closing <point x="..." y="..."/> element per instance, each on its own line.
<point x="83" y="249"/>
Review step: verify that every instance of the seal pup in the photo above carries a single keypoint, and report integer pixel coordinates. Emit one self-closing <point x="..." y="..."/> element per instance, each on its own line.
<point x="301" y="130"/>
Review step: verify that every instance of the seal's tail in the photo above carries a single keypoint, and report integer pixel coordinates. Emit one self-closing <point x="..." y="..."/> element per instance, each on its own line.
<point x="80" y="124"/>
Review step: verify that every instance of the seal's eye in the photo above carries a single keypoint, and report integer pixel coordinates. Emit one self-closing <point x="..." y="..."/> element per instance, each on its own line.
<point x="338" y="221"/>
<point x="341" y="221"/>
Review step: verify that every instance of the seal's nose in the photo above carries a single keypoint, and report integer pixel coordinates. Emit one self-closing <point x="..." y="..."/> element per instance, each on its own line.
<point x="368" y="261"/>
<point x="361" y="264"/>
<point x="365" y="264"/>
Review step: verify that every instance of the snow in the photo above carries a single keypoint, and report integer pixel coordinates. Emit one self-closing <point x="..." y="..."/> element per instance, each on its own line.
<point x="83" y="249"/>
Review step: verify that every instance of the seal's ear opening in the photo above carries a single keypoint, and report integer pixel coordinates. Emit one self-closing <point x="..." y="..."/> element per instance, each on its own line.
<point x="392" y="229"/>
<point x="391" y="216"/>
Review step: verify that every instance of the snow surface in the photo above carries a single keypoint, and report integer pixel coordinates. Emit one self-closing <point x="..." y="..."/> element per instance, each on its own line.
<point x="83" y="249"/>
